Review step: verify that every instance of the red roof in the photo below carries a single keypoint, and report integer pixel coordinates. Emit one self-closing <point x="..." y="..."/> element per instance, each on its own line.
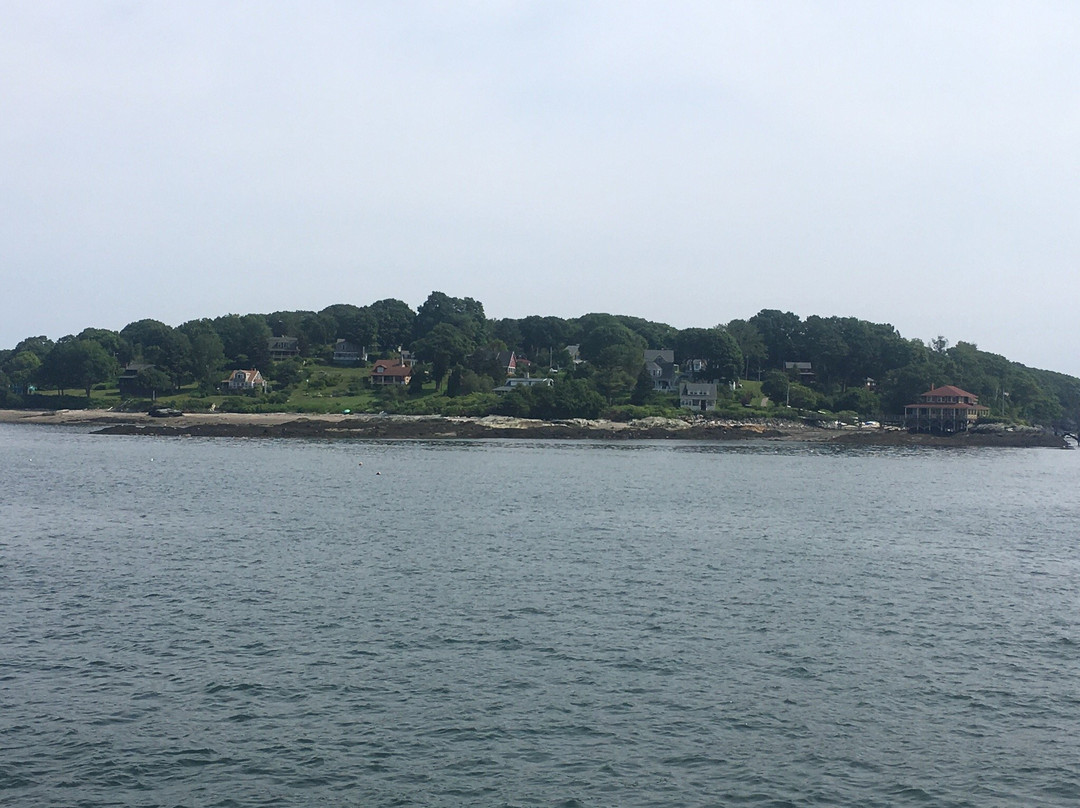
<point x="390" y="367"/>
<point x="950" y="390"/>
<point x="250" y="376"/>
<point x="949" y="404"/>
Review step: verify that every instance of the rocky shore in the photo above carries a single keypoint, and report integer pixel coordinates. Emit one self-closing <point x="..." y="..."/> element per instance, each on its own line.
<point x="293" y="425"/>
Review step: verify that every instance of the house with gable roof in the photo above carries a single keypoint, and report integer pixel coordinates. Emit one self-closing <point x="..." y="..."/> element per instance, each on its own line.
<point x="944" y="409"/>
<point x="700" y="396"/>
<point x="390" y="372"/>
<point x="662" y="369"/>
<point x="242" y="380"/>
<point x="349" y="353"/>
<point x="283" y="347"/>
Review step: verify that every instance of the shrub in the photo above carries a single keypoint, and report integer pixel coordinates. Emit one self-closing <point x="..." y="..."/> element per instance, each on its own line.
<point x="632" y="412"/>
<point x="192" y="404"/>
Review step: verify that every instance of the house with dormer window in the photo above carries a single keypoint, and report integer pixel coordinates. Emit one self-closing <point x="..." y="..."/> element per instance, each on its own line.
<point x="390" y="372"/>
<point x="661" y="367"/>
<point x="243" y="380"/>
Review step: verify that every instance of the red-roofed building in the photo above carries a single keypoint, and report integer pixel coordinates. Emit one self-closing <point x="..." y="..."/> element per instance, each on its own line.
<point x="944" y="409"/>
<point x="390" y="371"/>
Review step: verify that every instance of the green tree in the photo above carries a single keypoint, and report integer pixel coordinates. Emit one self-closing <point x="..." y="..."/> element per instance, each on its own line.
<point x="781" y="332"/>
<point x="751" y="346"/>
<point x="116" y="346"/>
<point x="508" y="332"/>
<point x="161" y="345"/>
<point x="859" y="400"/>
<point x="643" y="387"/>
<point x="802" y="397"/>
<point x="353" y="323"/>
<point x="8" y="398"/>
<point x="394" y="323"/>
<point x="155" y="380"/>
<point x="903" y="386"/>
<point x="77" y="363"/>
<point x="444" y="346"/>
<point x="542" y="337"/>
<point x="416" y="381"/>
<point x="39" y="346"/>
<point x="607" y="343"/>
<point x="288" y="371"/>
<point x="316" y="331"/>
<point x="463" y="382"/>
<point x="657" y="336"/>
<point x="289" y="324"/>
<point x="824" y="347"/>
<point x="716" y="347"/>
<point x="569" y="398"/>
<point x="207" y="353"/>
<point x="22" y="369"/>
<point x="614" y="383"/>
<point x="245" y="339"/>
<point x="775" y="386"/>
<point x="463" y="313"/>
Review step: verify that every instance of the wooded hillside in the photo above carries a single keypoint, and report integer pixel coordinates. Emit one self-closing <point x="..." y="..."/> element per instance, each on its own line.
<point x="854" y="365"/>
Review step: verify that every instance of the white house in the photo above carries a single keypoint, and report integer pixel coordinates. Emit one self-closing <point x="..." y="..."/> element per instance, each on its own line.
<point x="245" y="380"/>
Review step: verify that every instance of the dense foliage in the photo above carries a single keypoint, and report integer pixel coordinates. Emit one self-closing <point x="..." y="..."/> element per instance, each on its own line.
<point x="834" y="364"/>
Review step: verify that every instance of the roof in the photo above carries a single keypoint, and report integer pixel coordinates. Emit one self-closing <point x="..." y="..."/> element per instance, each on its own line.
<point x="250" y="376"/>
<point x="133" y="368"/>
<point x="699" y="388"/>
<point x="950" y="390"/>
<point x="390" y="367"/>
<point x="950" y="405"/>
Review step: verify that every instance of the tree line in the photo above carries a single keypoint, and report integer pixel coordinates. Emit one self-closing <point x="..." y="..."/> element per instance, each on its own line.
<point x="858" y="366"/>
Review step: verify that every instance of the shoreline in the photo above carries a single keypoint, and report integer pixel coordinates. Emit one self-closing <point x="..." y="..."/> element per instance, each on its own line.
<point x="438" y="427"/>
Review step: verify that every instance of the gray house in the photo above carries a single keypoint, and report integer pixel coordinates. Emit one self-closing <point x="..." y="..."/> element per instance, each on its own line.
<point x="283" y="347"/>
<point x="662" y="369"/>
<point x="349" y="353"/>
<point x="700" y="396"/>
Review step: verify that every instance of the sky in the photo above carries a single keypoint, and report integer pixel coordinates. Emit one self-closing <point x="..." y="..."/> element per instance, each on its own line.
<point x="685" y="161"/>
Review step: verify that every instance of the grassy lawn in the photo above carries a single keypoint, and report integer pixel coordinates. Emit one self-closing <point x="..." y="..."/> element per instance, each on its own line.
<point x="330" y="389"/>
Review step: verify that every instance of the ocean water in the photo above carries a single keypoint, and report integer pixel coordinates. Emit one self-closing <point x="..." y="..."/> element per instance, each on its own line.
<point x="191" y="622"/>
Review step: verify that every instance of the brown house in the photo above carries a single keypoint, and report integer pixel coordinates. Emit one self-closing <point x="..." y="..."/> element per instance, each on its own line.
<point x="390" y="371"/>
<point x="944" y="409"/>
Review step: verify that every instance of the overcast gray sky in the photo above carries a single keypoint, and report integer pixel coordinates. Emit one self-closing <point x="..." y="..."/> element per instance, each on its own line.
<point x="688" y="162"/>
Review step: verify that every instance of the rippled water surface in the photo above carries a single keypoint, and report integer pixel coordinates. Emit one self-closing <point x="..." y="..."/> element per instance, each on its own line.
<point x="242" y="623"/>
